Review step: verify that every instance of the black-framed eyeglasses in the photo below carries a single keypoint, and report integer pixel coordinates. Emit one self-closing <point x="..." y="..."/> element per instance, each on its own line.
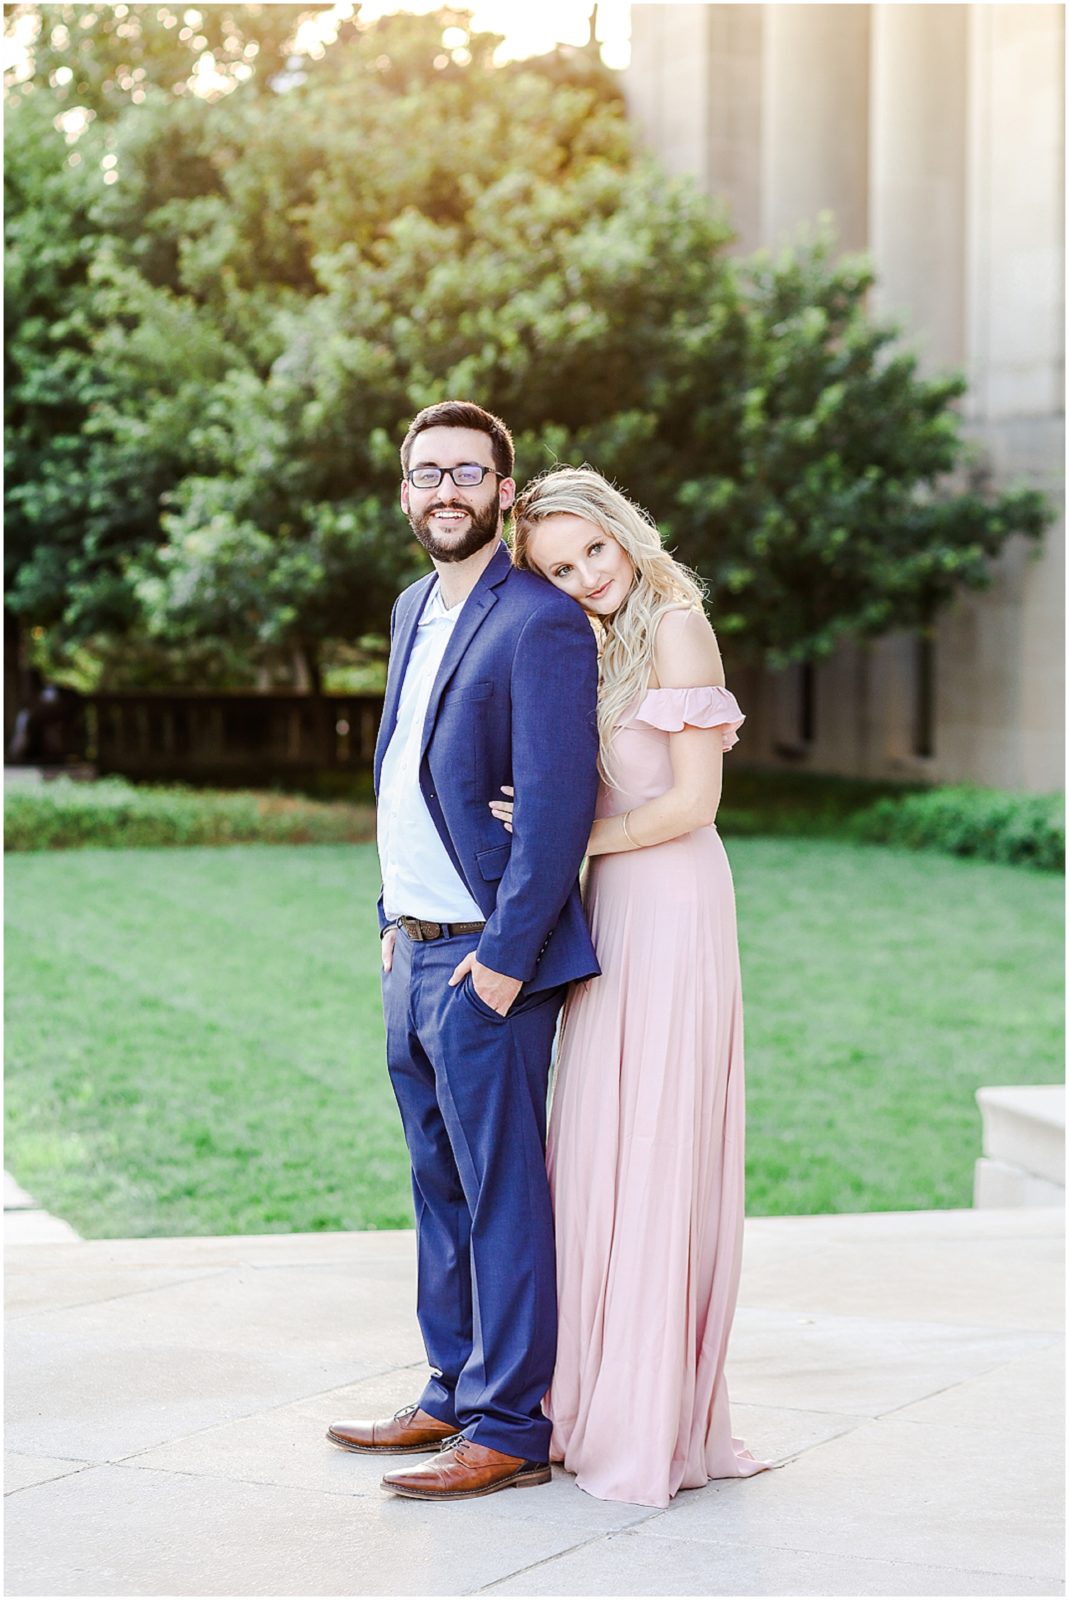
<point x="466" y="476"/>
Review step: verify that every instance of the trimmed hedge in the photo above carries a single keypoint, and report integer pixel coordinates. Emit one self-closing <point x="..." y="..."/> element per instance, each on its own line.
<point x="111" y="814"/>
<point x="803" y="805"/>
<point x="1019" y="829"/>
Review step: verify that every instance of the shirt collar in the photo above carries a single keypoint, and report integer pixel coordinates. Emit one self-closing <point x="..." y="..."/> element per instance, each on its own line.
<point x="435" y="609"/>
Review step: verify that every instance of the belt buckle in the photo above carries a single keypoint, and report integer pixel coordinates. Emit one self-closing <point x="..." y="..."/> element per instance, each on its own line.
<point x="419" y="930"/>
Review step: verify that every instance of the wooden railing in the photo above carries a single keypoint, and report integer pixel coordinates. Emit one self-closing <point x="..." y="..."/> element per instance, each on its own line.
<point x="230" y="736"/>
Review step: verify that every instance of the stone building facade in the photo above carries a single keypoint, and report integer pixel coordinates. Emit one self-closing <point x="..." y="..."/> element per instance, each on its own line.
<point x="934" y="134"/>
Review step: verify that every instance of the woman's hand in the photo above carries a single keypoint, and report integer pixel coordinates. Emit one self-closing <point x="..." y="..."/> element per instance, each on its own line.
<point x="503" y="809"/>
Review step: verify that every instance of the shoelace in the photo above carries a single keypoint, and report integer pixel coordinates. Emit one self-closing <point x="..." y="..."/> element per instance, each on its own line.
<point x="449" y="1443"/>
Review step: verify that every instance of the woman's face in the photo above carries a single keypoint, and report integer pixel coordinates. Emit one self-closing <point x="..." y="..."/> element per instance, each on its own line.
<point x="583" y="560"/>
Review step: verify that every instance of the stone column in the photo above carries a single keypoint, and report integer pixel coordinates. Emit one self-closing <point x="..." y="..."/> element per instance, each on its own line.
<point x="1015" y="360"/>
<point x="918" y="172"/>
<point x="667" y="84"/>
<point x="1016" y="210"/>
<point x="735" y="67"/>
<point x="815" y="120"/>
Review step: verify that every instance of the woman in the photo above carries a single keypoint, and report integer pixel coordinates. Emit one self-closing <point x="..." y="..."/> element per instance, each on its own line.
<point x="645" y="1146"/>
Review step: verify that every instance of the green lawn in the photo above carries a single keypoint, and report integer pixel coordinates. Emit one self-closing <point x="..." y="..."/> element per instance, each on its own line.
<point x="195" y="1046"/>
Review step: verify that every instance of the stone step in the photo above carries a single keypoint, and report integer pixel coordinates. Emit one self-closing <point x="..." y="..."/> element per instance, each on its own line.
<point x="1024" y="1146"/>
<point x="998" y="1184"/>
<point x="26" y="1223"/>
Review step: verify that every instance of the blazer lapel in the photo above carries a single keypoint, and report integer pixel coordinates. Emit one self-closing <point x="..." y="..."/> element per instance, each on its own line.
<point x="400" y="651"/>
<point x="476" y="609"/>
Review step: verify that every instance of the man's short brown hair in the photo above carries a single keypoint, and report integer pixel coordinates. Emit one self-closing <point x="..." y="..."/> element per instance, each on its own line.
<point x="463" y="414"/>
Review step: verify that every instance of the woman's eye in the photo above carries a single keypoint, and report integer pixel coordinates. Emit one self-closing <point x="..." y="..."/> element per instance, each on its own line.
<point x="562" y="572"/>
<point x="594" y="548"/>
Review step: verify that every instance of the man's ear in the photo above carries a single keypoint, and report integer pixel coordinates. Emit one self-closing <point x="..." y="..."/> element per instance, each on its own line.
<point x="404" y="496"/>
<point x="507" y="490"/>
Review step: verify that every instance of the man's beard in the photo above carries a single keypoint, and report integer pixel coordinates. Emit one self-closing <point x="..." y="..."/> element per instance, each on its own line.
<point x="482" y="527"/>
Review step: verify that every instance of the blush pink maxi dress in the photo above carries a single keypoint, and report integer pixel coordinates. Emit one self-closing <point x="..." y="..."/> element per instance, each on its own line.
<point x="645" y="1147"/>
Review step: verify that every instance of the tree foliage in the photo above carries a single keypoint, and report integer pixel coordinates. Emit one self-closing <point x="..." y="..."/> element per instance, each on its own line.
<point x="107" y="58"/>
<point x="225" y="312"/>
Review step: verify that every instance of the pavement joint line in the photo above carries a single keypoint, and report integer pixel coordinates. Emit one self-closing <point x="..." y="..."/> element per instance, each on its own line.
<point x="110" y="1299"/>
<point x="776" y="1462"/>
<point x="76" y="1472"/>
<point x="545" y="1561"/>
<point x="257" y="1411"/>
<point x="803" y="1411"/>
<point x="134" y="1464"/>
<point x="373" y="1494"/>
<point x="35" y="1455"/>
<point x="804" y="1550"/>
<point x="182" y="1472"/>
<point x="250" y="1483"/>
<point x="197" y="1275"/>
<point x="958" y="1383"/>
<point x="132" y="1458"/>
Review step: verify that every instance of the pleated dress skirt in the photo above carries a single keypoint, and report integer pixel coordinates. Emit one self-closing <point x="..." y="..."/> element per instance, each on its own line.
<point x="646" y="1151"/>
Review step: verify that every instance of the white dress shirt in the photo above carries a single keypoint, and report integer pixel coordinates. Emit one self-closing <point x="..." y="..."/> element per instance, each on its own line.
<point x="418" y="877"/>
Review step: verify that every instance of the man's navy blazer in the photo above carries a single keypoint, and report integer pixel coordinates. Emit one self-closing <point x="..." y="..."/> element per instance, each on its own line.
<point x="514" y="702"/>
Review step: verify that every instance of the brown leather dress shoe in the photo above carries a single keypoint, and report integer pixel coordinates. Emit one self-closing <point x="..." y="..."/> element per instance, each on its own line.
<point x="464" y="1472"/>
<point x="406" y="1433"/>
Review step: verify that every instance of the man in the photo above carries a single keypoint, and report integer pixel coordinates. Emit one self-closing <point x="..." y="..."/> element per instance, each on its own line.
<point x="492" y="682"/>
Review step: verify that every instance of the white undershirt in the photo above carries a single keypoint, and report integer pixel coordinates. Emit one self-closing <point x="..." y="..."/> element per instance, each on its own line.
<point x="418" y="878"/>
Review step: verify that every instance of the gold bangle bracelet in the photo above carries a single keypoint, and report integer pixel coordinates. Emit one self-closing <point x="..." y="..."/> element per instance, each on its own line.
<point x="628" y="835"/>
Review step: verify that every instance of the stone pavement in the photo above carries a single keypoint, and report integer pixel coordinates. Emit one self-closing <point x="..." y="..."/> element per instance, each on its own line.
<point x="167" y="1400"/>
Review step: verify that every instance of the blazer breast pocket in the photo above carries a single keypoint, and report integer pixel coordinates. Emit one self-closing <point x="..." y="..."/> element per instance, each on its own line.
<point x="471" y="691"/>
<point x="493" y="862"/>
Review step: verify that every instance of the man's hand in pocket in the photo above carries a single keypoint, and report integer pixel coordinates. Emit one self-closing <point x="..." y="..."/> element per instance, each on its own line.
<point x="495" y="989"/>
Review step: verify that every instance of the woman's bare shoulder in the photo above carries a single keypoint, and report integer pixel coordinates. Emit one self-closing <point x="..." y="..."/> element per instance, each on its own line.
<point x="685" y="651"/>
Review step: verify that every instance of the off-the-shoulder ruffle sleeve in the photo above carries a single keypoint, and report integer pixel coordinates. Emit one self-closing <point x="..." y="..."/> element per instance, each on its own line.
<point x="707" y="707"/>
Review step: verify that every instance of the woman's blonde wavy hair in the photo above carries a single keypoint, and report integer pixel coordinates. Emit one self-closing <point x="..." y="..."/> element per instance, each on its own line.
<point x="661" y="583"/>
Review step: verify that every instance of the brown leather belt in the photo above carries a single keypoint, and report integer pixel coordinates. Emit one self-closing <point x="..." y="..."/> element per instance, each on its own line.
<point x="422" y="931"/>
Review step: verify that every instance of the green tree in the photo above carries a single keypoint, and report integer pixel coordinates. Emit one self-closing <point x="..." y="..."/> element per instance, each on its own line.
<point x="107" y="58"/>
<point x="830" y="490"/>
<point x="56" y="522"/>
<point x="109" y="357"/>
<point x="105" y="377"/>
<point x="277" y="281"/>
